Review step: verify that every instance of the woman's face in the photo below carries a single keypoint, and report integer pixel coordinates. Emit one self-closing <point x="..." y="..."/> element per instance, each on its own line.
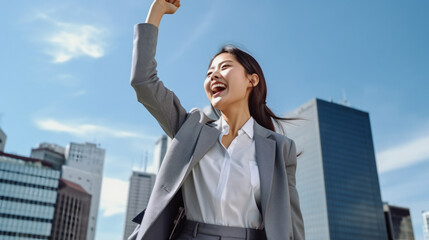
<point x="227" y="83"/>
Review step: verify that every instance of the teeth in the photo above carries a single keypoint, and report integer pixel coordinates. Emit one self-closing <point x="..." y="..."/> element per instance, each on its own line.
<point x="218" y="85"/>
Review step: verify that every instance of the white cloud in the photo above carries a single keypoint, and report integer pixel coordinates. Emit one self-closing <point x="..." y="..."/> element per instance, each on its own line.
<point x="71" y="40"/>
<point x="87" y="130"/>
<point x="114" y="194"/>
<point x="404" y="155"/>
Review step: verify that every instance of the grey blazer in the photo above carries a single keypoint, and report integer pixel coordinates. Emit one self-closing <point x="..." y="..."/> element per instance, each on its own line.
<point x="193" y="135"/>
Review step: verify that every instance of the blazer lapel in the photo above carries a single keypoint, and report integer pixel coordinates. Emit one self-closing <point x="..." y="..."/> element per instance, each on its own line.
<point x="265" y="149"/>
<point x="208" y="137"/>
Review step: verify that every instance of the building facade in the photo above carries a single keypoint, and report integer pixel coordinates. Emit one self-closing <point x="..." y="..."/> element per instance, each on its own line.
<point x="398" y="222"/>
<point x="87" y="157"/>
<point x="28" y="192"/>
<point x="337" y="177"/>
<point x="425" y="215"/>
<point x="139" y="191"/>
<point x="50" y="153"/>
<point x="72" y="212"/>
<point x="2" y="140"/>
<point x="84" y="166"/>
<point x="161" y="146"/>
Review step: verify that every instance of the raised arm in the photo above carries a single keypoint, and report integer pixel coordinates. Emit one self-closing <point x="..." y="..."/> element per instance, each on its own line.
<point x="162" y="103"/>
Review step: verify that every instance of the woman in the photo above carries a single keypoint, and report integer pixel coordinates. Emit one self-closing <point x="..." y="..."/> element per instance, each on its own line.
<point x="234" y="178"/>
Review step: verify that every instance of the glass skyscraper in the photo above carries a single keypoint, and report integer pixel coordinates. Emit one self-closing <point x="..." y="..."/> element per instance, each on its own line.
<point x="28" y="192"/>
<point x="337" y="177"/>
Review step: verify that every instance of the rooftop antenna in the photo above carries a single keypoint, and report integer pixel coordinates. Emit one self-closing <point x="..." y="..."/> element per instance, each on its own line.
<point x="345" y="101"/>
<point x="141" y="163"/>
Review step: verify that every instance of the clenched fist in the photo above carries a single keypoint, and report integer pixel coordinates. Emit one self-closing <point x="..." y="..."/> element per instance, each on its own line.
<point x="167" y="6"/>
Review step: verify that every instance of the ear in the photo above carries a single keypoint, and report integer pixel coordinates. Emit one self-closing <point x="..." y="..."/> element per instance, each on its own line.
<point x="254" y="79"/>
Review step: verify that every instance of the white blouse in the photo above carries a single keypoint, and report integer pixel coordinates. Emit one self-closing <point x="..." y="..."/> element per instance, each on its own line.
<point x="223" y="188"/>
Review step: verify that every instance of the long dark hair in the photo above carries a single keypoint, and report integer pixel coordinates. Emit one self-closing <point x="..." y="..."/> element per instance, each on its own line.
<point x="257" y="99"/>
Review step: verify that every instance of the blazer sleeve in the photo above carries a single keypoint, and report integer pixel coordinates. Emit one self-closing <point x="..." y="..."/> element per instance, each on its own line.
<point x="161" y="102"/>
<point x="297" y="220"/>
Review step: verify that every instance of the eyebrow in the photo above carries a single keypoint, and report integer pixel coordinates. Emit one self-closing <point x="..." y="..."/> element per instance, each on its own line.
<point x="221" y="63"/>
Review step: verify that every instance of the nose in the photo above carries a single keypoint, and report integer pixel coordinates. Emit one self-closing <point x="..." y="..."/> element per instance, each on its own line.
<point x="215" y="75"/>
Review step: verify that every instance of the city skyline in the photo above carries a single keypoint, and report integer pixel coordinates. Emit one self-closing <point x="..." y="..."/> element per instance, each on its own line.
<point x="65" y="78"/>
<point x="80" y="164"/>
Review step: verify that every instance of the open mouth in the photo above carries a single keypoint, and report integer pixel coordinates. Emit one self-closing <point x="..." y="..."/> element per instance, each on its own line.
<point x="217" y="89"/>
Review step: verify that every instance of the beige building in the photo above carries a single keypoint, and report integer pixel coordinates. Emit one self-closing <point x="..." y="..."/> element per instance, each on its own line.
<point x="71" y="213"/>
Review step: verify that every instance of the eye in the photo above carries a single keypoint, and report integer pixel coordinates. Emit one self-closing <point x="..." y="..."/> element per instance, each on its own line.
<point x="225" y="66"/>
<point x="208" y="74"/>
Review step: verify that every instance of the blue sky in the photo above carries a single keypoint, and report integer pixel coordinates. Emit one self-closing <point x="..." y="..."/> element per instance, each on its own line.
<point x="65" y="68"/>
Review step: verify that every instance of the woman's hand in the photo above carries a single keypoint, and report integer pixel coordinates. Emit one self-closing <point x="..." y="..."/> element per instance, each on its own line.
<point x="169" y="6"/>
<point x="159" y="8"/>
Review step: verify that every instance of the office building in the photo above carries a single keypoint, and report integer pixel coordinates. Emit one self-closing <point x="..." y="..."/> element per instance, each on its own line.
<point x="50" y="153"/>
<point x="28" y="192"/>
<point x="2" y="140"/>
<point x="84" y="166"/>
<point x="398" y="222"/>
<point x="161" y="146"/>
<point x="139" y="191"/>
<point x="86" y="156"/>
<point x="425" y="215"/>
<point x="72" y="212"/>
<point x="336" y="175"/>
